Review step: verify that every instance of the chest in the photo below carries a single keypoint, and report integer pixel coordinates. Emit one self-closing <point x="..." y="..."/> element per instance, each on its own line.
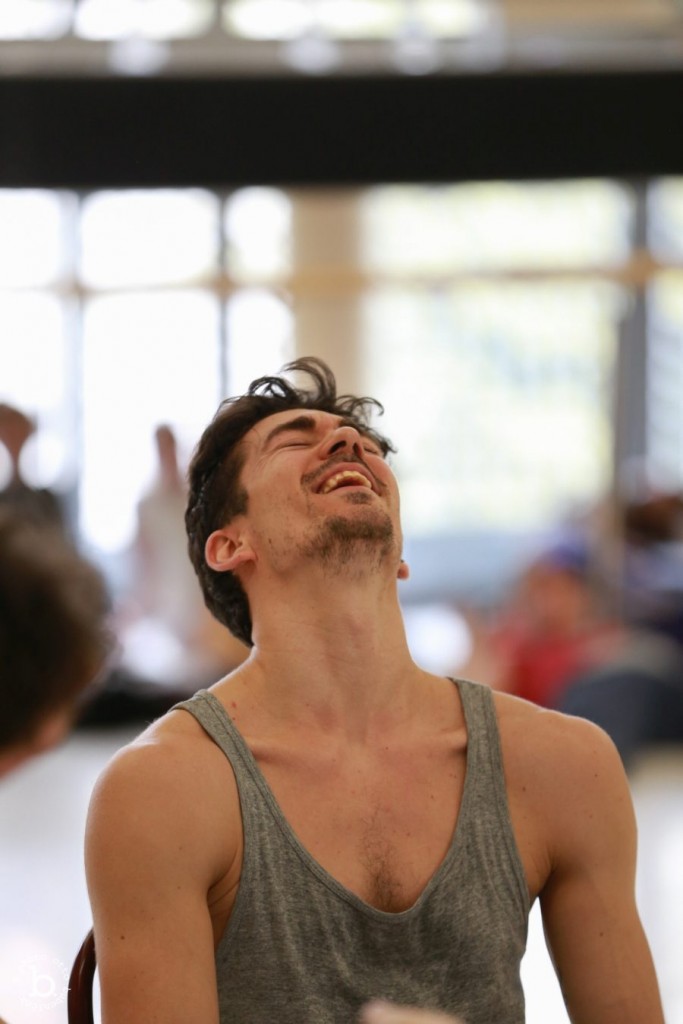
<point x="379" y="825"/>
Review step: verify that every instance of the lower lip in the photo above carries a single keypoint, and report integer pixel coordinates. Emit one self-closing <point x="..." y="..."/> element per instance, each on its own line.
<point x="347" y="487"/>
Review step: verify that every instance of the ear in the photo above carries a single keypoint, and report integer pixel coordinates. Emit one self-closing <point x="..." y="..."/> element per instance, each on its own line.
<point x="403" y="570"/>
<point x="226" y="549"/>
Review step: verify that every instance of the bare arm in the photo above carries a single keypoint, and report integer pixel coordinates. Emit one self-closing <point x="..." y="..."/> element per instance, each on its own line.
<point x="588" y="904"/>
<point x="151" y="862"/>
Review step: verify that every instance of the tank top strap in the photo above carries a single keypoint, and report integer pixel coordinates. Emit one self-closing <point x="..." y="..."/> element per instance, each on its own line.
<point x="485" y="779"/>
<point x="484" y="756"/>
<point x="217" y="723"/>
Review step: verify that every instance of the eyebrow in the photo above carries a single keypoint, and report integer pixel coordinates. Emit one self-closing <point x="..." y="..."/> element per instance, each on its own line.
<point x="308" y="424"/>
<point x="303" y="423"/>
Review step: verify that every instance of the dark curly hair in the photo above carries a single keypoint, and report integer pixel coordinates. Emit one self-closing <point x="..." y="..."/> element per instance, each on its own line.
<point x="216" y="495"/>
<point x="54" y="633"/>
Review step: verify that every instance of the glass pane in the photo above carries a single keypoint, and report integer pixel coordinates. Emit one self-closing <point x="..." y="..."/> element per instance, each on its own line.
<point x="32" y="379"/>
<point x="148" y="359"/>
<point x="266" y="19"/>
<point x="498" y="398"/>
<point x="149" y="237"/>
<point x="665" y="380"/>
<point x="494" y="226"/>
<point x="260" y="337"/>
<point x="151" y="19"/>
<point x="34" y="19"/>
<point x="665" y="218"/>
<point x="445" y="18"/>
<point x="33" y="236"/>
<point x="348" y="19"/>
<point x="257" y="228"/>
<point x="32" y="350"/>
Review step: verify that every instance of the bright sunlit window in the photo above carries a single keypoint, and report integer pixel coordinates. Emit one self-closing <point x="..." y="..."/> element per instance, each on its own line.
<point x="350" y="19"/>
<point x="34" y="368"/>
<point x="151" y="19"/>
<point x="496" y="226"/>
<point x="665" y="380"/>
<point x="486" y="318"/>
<point x="508" y="362"/>
<point x="248" y="19"/>
<point x="665" y="218"/>
<point x="116" y="316"/>
<point x="665" y="331"/>
<point x="260" y="330"/>
<point x="148" y="359"/>
<point x="140" y="238"/>
<point x="35" y="19"/>
<point x="34" y="240"/>
<point x="498" y="397"/>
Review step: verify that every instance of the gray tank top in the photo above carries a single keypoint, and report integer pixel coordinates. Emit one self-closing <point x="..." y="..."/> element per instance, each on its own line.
<point x="300" y="948"/>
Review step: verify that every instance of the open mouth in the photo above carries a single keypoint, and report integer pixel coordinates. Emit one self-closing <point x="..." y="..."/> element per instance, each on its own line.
<point x="345" y="478"/>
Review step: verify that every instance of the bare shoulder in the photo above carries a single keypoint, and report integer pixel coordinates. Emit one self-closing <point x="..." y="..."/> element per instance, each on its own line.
<point x="557" y="749"/>
<point x="162" y="857"/>
<point x="170" y="787"/>
<point x="568" y="792"/>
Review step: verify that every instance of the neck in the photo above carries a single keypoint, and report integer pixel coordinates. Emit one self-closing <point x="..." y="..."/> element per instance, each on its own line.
<point x="334" y="647"/>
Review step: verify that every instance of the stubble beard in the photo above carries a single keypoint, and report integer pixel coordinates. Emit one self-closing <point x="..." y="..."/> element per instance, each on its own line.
<point x="357" y="542"/>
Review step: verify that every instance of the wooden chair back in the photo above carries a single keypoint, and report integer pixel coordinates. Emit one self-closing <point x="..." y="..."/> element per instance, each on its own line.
<point x="79" y="999"/>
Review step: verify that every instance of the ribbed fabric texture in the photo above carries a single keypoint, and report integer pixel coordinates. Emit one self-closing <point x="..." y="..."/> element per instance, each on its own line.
<point x="302" y="949"/>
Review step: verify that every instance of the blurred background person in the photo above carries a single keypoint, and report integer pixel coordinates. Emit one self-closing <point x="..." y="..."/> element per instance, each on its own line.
<point x="168" y="635"/>
<point x="54" y="637"/>
<point x="557" y="622"/>
<point x="40" y="505"/>
<point x="650" y="522"/>
<point x="578" y="634"/>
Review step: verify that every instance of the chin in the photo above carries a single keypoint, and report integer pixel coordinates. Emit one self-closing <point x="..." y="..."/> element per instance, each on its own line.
<point x="344" y="540"/>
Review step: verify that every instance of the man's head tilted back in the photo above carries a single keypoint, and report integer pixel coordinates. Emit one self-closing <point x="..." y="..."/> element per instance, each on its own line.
<point x="216" y="493"/>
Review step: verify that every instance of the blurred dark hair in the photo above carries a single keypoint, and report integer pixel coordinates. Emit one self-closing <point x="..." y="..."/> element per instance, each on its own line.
<point x="216" y="495"/>
<point x="54" y="637"/>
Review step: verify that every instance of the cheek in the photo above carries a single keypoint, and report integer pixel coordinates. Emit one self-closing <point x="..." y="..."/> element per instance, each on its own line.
<point x="278" y="508"/>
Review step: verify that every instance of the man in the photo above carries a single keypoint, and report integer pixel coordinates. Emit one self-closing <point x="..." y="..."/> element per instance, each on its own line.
<point x="54" y="638"/>
<point x="330" y="825"/>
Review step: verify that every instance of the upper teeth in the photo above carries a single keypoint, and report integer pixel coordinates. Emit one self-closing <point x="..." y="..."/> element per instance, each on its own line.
<point x="346" y="474"/>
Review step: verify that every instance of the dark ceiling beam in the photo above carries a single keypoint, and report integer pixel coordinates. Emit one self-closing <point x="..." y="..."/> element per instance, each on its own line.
<point x="125" y="132"/>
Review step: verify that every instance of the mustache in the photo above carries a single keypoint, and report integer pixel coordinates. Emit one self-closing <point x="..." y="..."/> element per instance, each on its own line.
<point x="334" y="460"/>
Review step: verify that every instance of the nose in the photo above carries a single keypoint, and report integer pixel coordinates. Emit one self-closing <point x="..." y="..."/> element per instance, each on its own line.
<point x="341" y="438"/>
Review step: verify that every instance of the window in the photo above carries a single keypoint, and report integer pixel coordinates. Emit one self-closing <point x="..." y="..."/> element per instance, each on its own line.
<point x="493" y="338"/>
<point x="486" y="317"/>
<point x="350" y="19"/>
<point x="119" y="311"/>
<point x="248" y="19"/>
<point x="665" y="330"/>
<point x="498" y="397"/>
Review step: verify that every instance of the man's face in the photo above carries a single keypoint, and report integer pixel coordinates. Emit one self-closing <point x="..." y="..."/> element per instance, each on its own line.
<point x="319" y="489"/>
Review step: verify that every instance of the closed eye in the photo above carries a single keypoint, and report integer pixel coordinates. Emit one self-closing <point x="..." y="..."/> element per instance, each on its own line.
<point x="295" y="444"/>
